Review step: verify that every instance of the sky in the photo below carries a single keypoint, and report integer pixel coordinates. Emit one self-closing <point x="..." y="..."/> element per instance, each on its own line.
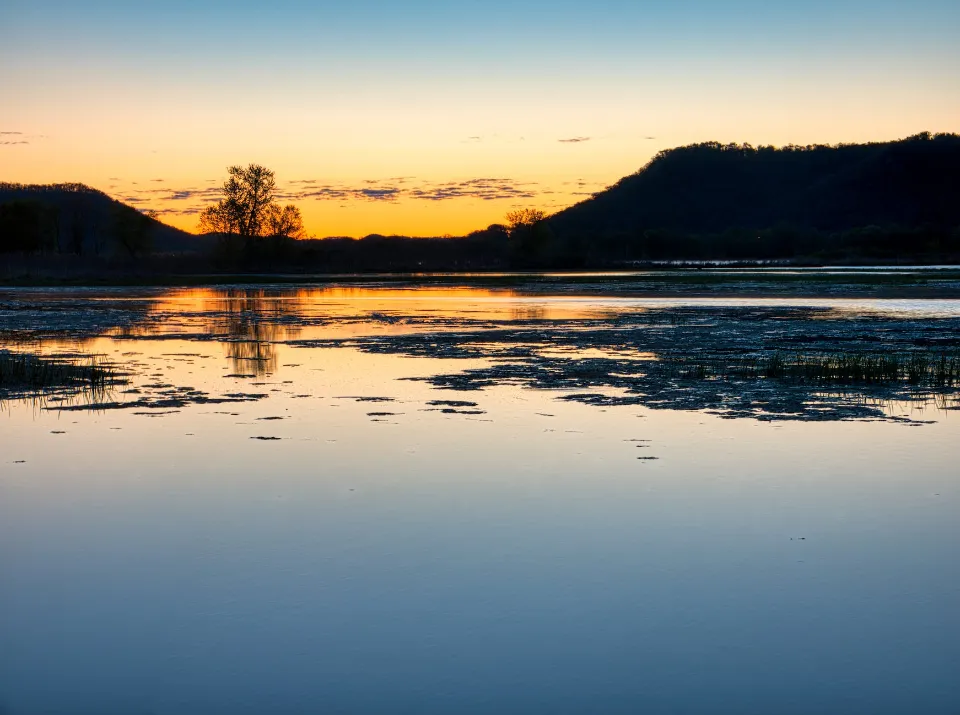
<point x="434" y="117"/>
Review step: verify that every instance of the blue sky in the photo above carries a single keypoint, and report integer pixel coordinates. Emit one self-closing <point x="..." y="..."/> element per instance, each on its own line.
<point x="367" y="90"/>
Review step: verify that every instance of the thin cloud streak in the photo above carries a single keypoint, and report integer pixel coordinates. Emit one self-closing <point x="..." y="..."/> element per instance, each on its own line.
<point x="192" y="200"/>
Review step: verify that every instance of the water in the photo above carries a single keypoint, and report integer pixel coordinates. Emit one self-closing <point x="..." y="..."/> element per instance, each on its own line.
<point x="512" y="555"/>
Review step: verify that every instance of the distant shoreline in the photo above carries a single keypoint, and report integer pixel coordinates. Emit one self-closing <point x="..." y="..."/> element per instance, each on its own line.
<point x="880" y="281"/>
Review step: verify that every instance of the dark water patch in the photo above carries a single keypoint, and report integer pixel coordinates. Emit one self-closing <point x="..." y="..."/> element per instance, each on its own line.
<point x="454" y="411"/>
<point x="268" y="439"/>
<point x="183" y="399"/>
<point x="366" y="399"/>
<point x="383" y="414"/>
<point x="50" y="314"/>
<point x="451" y="403"/>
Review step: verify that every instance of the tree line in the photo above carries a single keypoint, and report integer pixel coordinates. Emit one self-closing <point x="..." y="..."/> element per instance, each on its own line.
<point x="881" y="202"/>
<point x="71" y="219"/>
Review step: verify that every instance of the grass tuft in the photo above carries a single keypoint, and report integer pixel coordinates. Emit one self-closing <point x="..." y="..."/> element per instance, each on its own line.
<point x="917" y="369"/>
<point x="27" y="373"/>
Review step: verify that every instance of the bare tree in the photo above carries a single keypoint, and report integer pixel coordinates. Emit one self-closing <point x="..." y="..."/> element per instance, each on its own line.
<point x="522" y="218"/>
<point x="530" y="236"/>
<point x="217" y="219"/>
<point x="247" y="197"/>
<point x="286" y="222"/>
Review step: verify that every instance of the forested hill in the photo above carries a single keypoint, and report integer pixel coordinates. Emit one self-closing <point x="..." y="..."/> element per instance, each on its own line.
<point x="711" y="188"/>
<point x="74" y="218"/>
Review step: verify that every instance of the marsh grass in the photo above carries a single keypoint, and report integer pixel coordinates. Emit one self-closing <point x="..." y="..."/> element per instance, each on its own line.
<point x="915" y="369"/>
<point x="25" y="374"/>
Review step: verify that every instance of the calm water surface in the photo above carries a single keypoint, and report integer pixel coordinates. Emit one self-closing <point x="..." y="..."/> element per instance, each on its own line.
<point x="512" y="556"/>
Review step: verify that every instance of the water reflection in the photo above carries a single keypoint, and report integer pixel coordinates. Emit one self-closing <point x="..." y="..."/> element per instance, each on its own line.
<point x="749" y="358"/>
<point x="251" y="322"/>
<point x="348" y="539"/>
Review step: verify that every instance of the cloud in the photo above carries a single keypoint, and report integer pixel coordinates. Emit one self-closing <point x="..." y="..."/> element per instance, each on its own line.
<point x="12" y="142"/>
<point x="574" y="140"/>
<point x="340" y="193"/>
<point x="209" y="194"/>
<point x="8" y="138"/>
<point x="380" y="194"/>
<point x="486" y="189"/>
<point x="192" y="199"/>
<point x="177" y="211"/>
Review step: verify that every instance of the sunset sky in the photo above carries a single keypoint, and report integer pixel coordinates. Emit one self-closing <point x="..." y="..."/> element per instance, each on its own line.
<point x="431" y="117"/>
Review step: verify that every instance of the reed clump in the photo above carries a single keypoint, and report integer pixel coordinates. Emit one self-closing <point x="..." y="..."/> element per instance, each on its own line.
<point x="27" y="372"/>
<point x="916" y="369"/>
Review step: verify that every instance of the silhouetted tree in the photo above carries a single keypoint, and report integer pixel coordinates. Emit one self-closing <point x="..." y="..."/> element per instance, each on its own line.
<point x="132" y="230"/>
<point x="524" y="218"/>
<point x="20" y="227"/>
<point x="53" y="217"/>
<point x="285" y="222"/>
<point x="244" y="209"/>
<point x="76" y="231"/>
<point x="530" y="236"/>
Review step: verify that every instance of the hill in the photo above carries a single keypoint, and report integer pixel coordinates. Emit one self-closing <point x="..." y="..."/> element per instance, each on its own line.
<point x="74" y="218"/>
<point x="700" y="193"/>
<point x="891" y="202"/>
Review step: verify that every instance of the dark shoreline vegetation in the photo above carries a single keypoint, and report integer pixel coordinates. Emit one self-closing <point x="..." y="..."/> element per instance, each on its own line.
<point x="760" y="362"/>
<point x="892" y="203"/>
<point x="62" y="377"/>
